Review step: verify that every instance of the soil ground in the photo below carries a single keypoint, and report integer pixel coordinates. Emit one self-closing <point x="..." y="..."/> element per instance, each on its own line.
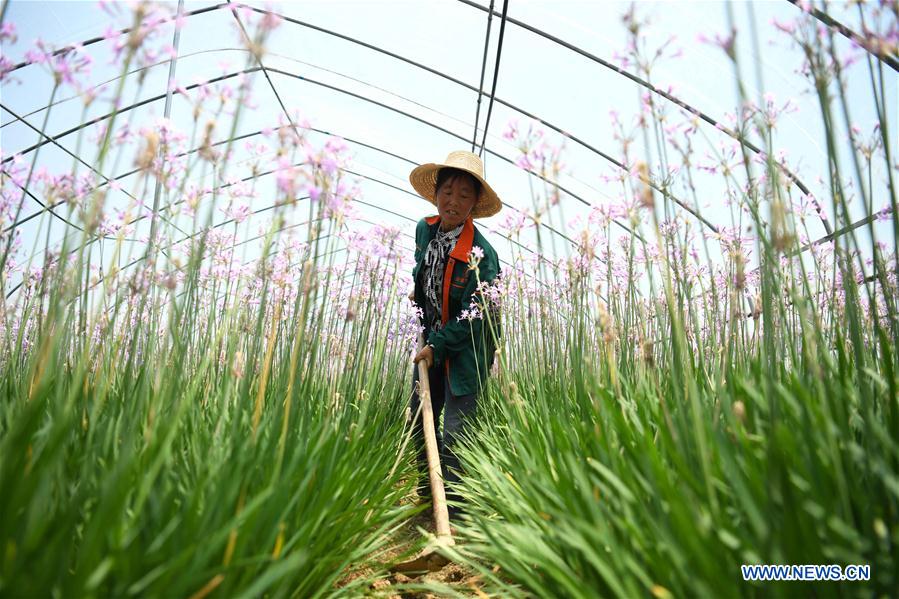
<point x="457" y="579"/>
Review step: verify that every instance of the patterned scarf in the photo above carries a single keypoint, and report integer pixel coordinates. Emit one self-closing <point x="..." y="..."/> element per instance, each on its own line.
<point x="434" y="265"/>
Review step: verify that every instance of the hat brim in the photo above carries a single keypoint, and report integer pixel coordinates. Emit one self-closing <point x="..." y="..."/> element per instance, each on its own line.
<point x="424" y="180"/>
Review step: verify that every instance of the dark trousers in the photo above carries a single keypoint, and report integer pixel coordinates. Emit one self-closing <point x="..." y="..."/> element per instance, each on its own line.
<point x="460" y="409"/>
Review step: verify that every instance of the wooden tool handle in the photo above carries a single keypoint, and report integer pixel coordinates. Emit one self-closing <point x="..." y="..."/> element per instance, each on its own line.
<point x="438" y="494"/>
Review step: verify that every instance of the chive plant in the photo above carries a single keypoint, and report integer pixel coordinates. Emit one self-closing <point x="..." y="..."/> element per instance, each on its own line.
<point x="184" y="423"/>
<point x="660" y="419"/>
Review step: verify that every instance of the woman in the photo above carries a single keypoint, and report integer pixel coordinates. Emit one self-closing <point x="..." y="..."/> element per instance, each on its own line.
<point x="458" y="351"/>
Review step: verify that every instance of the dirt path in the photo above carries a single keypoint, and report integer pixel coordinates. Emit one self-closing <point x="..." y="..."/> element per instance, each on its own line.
<point x="457" y="579"/>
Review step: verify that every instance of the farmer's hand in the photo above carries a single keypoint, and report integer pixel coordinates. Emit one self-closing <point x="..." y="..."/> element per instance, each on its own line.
<point x="426" y="354"/>
<point x="412" y="296"/>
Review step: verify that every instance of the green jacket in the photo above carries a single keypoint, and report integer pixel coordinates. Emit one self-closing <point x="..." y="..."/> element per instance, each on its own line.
<point x="465" y="348"/>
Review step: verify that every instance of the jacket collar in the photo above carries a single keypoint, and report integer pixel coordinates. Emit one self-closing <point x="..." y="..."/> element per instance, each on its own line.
<point x="465" y="241"/>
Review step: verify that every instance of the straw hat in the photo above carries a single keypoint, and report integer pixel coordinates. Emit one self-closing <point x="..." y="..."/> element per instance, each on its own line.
<point x="424" y="178"/>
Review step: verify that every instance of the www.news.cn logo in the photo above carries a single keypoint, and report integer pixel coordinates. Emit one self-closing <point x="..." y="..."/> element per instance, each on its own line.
<point x="805" y="572"/>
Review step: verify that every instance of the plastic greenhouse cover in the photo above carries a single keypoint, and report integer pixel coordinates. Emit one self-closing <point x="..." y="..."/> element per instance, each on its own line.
<point x="355" y="70"/>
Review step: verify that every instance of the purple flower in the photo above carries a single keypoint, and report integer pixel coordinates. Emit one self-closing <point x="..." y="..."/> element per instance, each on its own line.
<point x="38" y="54"/>
<point x="6" y="67"/>
<point x="510" y="133"/>
<point x="285" y="177"/>
<point x="240" y="212"/>
<point x="788" y="27"/>
<point x="8" y="32"/>
<point x="524" y="162"/>
<point x="726" y="43"/>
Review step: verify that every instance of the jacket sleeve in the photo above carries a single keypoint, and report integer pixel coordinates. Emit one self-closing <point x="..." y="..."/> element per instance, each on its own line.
<point x="457" y="335"/>
<point x="419" y="240"/>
